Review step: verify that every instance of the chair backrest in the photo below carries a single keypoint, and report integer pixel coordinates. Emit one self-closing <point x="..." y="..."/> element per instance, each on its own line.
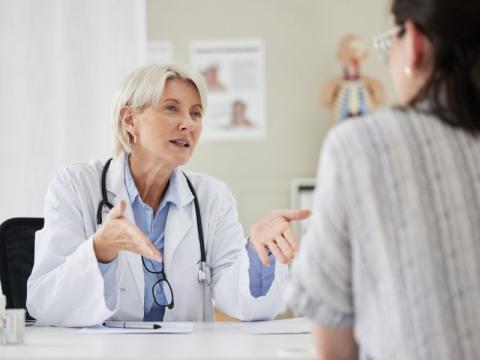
<point x="17" y="245"/>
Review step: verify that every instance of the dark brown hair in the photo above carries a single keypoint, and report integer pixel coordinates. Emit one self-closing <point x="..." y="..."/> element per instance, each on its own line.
<point x="453" y="28"/>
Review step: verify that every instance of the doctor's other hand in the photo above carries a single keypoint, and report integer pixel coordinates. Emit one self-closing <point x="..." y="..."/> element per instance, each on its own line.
<point x="118" y="233"/>
<point x="274" y="233"/>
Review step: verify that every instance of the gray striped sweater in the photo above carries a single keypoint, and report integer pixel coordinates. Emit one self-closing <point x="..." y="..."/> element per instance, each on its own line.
<point x="393" y="249"/>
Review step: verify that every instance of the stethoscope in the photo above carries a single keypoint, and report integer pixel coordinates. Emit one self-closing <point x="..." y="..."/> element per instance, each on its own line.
<point x="203" y="269"/>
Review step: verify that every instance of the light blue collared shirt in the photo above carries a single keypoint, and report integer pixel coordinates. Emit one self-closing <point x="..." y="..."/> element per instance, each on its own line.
<point x="153" y="226"/>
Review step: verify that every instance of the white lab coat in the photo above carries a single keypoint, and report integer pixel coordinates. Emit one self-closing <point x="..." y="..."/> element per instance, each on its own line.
<point x="66" y="287"/>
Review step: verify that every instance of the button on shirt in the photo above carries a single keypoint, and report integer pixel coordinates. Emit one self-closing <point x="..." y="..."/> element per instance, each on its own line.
<point x="153" y="226"/>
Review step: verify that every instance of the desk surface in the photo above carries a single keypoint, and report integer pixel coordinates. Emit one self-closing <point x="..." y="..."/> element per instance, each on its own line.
<point x="216" y="340"/>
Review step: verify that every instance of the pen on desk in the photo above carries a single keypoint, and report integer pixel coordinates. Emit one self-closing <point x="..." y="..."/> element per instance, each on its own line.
<point x="129" y="325"/>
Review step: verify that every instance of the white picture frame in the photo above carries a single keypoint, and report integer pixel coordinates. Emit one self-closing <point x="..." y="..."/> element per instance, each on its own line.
<point x="301" y="197"/>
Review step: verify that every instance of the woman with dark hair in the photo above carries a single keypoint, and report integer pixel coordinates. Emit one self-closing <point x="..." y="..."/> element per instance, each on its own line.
<point x="390" y="266"/>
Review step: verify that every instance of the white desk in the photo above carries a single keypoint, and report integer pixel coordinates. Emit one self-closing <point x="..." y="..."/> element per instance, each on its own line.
<point x="217" y="340"/>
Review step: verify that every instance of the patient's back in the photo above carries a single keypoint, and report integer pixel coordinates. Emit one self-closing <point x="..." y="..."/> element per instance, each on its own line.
<point x="413" y="203"/>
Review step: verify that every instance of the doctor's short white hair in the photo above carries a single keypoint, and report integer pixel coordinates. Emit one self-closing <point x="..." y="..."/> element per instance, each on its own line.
<point x="143" y="88"/>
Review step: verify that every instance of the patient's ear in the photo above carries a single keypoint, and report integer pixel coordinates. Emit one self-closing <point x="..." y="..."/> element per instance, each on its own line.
<point x="415" y="46"/>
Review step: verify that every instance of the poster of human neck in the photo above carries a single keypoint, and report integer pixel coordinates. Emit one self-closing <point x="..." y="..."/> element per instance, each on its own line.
<point x="234" y="71"/>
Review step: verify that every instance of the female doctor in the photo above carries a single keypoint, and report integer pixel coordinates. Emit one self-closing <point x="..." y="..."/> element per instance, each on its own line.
<point x="138" y="238"/>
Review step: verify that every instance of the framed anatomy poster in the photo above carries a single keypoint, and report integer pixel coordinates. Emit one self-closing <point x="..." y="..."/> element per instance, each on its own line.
<point x="234" y="71"/>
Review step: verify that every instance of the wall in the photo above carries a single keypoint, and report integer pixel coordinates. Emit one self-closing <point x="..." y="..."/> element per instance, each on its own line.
<point x="300" y="40"/>
<point x="60" y="64"/>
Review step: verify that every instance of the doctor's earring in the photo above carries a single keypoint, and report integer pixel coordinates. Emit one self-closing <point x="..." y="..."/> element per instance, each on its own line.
<point x="408" y="71"/>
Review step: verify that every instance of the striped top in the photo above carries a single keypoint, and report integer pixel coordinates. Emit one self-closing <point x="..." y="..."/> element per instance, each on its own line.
<point x="393" y="249"/>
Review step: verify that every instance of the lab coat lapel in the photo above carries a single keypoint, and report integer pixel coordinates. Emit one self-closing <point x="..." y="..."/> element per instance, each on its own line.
<point x="179" y="221"/>
<point x="115" y="185"/>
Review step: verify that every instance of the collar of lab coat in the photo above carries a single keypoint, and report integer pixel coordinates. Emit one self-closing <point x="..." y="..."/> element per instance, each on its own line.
<point x="179" y="219"/>
<point x="115" y="182"/>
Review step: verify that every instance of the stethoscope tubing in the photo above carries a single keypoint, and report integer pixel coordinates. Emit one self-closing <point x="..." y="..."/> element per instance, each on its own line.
<point x="105" y="202"/>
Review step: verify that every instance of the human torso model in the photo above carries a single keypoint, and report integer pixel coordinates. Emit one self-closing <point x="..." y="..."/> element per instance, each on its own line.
<point x="352" y="94"/>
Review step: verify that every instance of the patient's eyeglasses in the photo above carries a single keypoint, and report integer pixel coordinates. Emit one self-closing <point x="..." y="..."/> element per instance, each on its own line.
<point x="383" y="42"/>
<point x="167" y="298"/>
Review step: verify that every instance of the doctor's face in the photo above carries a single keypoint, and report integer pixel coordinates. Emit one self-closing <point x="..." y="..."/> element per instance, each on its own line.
<point x="170" y="131"/>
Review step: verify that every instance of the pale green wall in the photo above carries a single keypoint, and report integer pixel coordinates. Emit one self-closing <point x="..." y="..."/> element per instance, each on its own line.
<point x="300" y="43"/>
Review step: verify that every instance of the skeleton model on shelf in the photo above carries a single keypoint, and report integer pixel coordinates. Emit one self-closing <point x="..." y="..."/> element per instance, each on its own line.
<point x="352" y="94"/>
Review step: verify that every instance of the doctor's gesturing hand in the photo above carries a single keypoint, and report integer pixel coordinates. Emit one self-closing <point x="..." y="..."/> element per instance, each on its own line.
<point x="273" y="233"/>
<point x="118" y="233"/>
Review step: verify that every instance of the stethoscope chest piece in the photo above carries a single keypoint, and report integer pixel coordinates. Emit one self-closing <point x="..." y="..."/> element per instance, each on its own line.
<point x="204" y="273"/>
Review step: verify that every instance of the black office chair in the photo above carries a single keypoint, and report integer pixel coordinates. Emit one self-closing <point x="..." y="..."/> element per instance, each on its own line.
<point x="17" y="244"/>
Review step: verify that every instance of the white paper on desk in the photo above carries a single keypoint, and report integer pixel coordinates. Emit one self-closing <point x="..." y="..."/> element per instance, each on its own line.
<point x="183" y="327"/>
<point x="284" y="326"/>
